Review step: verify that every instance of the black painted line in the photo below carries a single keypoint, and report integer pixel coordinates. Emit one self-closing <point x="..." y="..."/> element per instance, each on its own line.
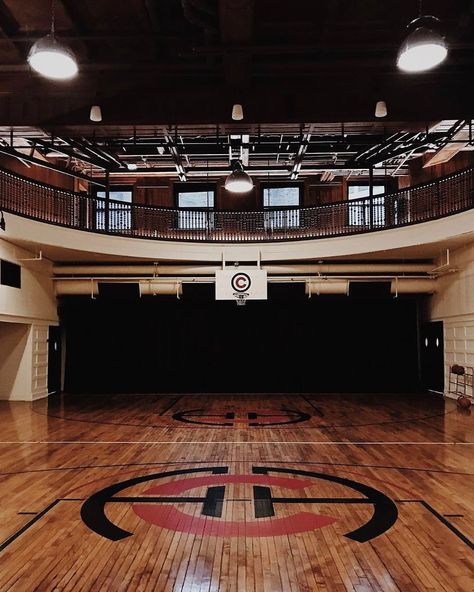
<point x="263" y="502"/>
<point x="157" y="499"/>
<point x="442" y="519"/>
<point x="274" y="462"/>
<point x="202" y="500"/>
<point x="214" y="426"/>
<point x="28" y="525"/>
<point x="27" y="513"/>
<point x="173" y="403"/>
<point x="214" y="501"/>
<point x="321" y="500"/>
<point x="453" y="515"/>
<point x="318" y="411"/>
<point x="447" y="523"/>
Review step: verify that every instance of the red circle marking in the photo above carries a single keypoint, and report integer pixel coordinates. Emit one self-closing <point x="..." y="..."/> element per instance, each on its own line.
<point x="167" y="516"/>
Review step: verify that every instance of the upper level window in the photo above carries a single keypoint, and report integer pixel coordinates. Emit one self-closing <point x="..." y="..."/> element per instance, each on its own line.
<point x="287" y="200"/>
<point x="119" y="209"/>
<point x="359" y="213"/>
<point x="198" y="201"/>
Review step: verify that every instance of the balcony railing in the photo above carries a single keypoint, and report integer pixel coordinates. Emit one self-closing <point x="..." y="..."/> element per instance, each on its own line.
<point x="438" y="198"/>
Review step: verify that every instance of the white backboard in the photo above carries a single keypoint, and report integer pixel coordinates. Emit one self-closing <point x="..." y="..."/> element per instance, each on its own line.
<point x="248" y="281"/>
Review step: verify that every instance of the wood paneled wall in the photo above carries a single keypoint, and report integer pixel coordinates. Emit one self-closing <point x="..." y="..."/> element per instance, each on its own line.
<point x="38" y="173"/>
<point x="160" y="191"/>
<point x="418" y="174"/>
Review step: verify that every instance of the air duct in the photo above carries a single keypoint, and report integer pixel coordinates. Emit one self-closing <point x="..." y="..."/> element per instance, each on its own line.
<point x="329" y="286"/>
<point x="413" y="286"/>
<point x="298" y="268"/>
<point x="154" y="288"/>
<point x="80" y="287"/>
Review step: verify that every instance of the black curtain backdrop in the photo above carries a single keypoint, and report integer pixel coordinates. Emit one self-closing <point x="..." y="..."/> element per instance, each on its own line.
<point x="357" y="343"/>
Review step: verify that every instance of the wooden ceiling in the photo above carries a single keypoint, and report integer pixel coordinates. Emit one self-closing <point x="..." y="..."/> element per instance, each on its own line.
<point x="151" y="62"/>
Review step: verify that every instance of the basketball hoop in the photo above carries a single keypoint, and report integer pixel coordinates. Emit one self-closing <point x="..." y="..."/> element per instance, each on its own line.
<point x="241" y="298"/>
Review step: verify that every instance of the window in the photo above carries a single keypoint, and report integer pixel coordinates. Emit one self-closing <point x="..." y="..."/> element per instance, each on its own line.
<point x="198" y="202"/>
<point x="10" y="274"/>
<point x="119" y="212"/>
<point x="284" y="197"/>
<point x="359" y="214"/>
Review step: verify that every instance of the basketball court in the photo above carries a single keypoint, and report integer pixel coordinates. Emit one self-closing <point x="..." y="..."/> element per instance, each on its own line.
<point x="236" y="492"/>
<point x="236" y="296"/>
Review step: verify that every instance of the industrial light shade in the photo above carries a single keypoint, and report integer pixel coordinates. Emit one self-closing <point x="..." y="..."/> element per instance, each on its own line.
<point x="52" y="59"/>
<point x="238" y="181"/>
<point x="381" y="109"/>
<point x="96" y="114"/>
<point x="424" y="48"/>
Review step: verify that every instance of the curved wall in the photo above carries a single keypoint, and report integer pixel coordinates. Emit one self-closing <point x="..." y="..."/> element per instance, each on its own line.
<point x="88" y="245"/>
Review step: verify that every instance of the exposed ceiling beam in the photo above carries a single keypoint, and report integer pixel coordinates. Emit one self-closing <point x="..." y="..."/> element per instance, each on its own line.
<point x="457" y="139"/>
<point x="47" y="165"/>
<point x="67" y="150"/>
<point x="9" y="28"/>
<point x="302" y="148"/>
<point x="178" y="161"/>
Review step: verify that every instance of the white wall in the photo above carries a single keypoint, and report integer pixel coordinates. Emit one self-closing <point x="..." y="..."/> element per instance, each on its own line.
<point x="89" y="245"/>
<point x="454" y="305"/>
<point x="25" y="315"/>
<point x="15" y="361"/>
<point x="35" y="301"/>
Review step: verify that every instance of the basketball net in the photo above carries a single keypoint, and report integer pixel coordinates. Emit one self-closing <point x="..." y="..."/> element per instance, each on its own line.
<point x="241" y="299"/>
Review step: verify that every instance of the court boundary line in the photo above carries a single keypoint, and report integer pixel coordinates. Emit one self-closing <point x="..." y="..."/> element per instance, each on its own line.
<point x="259" y="443"/>
<point x="172" y="427"/>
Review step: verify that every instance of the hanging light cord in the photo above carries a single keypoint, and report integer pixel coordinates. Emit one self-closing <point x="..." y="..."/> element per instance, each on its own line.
<point x="53" y="17"/>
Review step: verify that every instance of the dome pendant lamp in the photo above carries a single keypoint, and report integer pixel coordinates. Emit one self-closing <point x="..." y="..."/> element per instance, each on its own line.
<point x="424" y="47"/>
<point x="52" y="59"/>
<point x="238" y="181"/>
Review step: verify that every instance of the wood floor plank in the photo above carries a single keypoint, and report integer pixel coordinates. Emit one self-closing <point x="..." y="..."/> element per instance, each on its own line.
<point x="416" y="450"/>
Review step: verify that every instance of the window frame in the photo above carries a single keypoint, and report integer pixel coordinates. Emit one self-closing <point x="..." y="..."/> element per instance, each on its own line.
<point x="280" y="221"/>
<point x="208" y="211"/>
<point x="113" y="206"/>
<point x="379" y="214"/>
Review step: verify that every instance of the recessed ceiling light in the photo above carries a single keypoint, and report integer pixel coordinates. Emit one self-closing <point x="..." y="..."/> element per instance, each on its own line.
<point x="131" y="166"/>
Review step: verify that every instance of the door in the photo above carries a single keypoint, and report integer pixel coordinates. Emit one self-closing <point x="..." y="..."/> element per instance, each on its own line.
<point x="54" y="359"/>
<point x="432" y="356"/>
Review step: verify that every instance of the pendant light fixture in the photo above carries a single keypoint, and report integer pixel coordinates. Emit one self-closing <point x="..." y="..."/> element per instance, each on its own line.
<point x="238" y="181"/>
<point x="381" y="109"/>
<point x="96" y="114"/>
<point x="424" y="47"/>
<point x="50" y="58"/>
<point x="237" y="112"/>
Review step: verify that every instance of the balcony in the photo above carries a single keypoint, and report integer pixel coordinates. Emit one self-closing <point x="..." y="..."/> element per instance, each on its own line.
<point x="36" y="201"/>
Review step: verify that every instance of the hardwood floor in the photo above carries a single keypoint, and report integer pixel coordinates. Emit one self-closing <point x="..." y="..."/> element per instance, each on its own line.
<point x="240" y="493"/>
